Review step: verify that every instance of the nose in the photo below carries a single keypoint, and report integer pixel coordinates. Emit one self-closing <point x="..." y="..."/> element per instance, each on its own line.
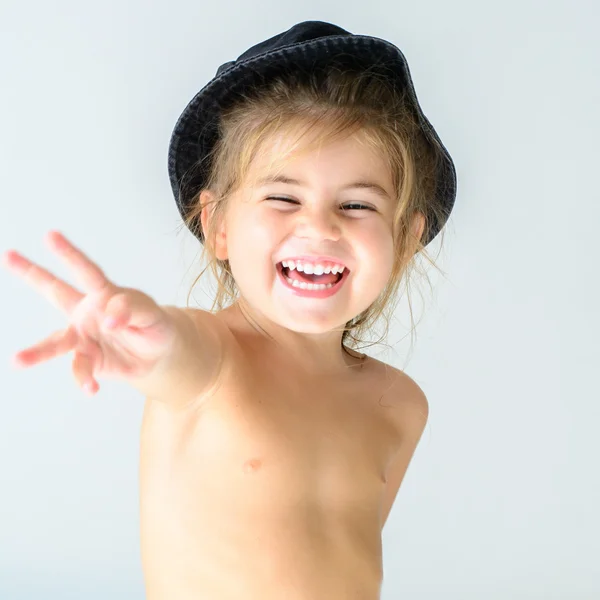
<point x="319" y="223"/>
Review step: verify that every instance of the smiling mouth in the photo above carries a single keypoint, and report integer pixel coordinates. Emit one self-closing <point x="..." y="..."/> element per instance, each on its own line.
<point x="285" y="271"/>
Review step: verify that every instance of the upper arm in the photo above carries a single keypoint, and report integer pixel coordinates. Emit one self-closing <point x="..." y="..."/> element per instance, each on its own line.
<point x="411" y="411"/>
<point x="194" y="364"/>
<point x="209" y="347"/>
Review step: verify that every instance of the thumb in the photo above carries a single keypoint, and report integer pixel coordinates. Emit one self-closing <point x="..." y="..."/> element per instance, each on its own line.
<point x="131" y="308"/>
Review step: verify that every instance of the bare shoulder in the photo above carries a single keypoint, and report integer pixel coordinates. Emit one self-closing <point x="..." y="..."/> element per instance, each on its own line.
<point x="408" y="411"/>
<point x="198" y="314"/>
<point x="214" y="331"/>
<point x="206" y="321"/>
<point x="397" y="391"/>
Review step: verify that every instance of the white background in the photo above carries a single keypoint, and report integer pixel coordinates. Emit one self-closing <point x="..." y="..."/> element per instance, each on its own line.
<point x="501" y="500"/>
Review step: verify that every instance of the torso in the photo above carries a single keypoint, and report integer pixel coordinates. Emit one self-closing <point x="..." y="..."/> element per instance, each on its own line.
<point x="270" y="488"/>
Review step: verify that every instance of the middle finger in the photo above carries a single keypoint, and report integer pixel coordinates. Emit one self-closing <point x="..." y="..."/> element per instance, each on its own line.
<point x="90" y="275"/>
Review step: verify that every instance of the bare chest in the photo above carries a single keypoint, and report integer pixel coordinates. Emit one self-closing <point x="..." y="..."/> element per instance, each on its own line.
<point x="319" y="437"/>
<point x="276" y="478"/>
<point x="265" y="436"/>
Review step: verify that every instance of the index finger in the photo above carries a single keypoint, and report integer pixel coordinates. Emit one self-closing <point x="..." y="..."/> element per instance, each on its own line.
<point x="60" y="293"/>
<point x="89" y="274"/>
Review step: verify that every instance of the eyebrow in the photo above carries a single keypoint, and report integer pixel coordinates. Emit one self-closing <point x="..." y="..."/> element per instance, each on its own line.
<point x="365" y="185"/>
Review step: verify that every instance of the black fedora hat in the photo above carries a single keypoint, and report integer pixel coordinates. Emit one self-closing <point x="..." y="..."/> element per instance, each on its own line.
<point x="306" y="45"/>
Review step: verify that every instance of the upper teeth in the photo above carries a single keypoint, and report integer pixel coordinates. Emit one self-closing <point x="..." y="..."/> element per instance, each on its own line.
<point x="313" y="268"/>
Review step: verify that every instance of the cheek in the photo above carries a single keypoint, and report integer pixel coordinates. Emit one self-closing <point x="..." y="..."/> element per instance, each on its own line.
<point x="374" y="238"/>
<point x="252" y="229"/>
<point x="260" y="235"/>
<point x="251" y="243"/>
<point x="375" y="253"/>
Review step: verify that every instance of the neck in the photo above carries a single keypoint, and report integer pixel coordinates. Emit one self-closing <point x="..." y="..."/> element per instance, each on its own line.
<point x="314" y="354"/>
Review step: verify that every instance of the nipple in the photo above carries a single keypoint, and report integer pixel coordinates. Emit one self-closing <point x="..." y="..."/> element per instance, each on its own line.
<point x="252" y="465"/>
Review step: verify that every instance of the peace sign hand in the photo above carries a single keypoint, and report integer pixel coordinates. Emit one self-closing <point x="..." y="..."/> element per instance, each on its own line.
<point x="114" y="331"/>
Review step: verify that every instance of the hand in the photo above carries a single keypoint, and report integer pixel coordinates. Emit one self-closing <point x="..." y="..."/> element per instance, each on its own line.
<point x="115" y="332"/>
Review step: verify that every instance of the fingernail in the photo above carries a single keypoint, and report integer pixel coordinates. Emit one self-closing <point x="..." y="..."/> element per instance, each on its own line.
<point x="88" y="387"/>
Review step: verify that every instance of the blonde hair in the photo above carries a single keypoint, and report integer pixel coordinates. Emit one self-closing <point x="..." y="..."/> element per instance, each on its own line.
<point x="331" y="104"/>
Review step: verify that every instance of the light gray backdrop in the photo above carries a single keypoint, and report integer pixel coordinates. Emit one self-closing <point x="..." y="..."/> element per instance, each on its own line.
<point x="501" y="500"/>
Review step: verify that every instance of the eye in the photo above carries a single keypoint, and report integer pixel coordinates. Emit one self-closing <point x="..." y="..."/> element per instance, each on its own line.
<point x="361" y="206"/>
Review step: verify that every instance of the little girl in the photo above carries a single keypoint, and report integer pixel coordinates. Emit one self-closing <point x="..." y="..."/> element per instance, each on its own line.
<point x="271" y="453"/>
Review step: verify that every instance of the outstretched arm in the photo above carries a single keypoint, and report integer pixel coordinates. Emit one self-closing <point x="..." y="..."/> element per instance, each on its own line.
<point x="120" y="333"/>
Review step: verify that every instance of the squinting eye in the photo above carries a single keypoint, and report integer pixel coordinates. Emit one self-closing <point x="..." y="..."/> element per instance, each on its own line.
<point x="361" y="206"/>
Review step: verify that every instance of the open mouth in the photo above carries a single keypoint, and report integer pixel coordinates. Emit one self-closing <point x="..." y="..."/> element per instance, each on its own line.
<point x="309" y="278"/>
<point x="318" y="286"/>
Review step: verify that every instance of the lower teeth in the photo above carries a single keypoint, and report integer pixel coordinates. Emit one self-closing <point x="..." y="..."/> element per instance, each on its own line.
<point x="309" y="286"/>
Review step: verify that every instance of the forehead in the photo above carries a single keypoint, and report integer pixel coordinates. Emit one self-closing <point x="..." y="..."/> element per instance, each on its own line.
<point x="297" y="149"/>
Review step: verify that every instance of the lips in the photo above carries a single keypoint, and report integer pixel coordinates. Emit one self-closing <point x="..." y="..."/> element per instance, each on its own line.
<point x="307" y="293"/>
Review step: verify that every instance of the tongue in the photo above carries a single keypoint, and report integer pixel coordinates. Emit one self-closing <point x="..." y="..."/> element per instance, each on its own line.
<point x="300" y="276"/>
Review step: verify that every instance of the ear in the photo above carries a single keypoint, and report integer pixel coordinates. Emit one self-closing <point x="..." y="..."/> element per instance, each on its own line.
<point x="416" y="228"/>
<point x="418" y="225"/>
<point x="209" y="221"/>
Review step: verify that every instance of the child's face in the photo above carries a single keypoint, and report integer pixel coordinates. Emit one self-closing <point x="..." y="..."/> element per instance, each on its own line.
<point x="260" y="232"/>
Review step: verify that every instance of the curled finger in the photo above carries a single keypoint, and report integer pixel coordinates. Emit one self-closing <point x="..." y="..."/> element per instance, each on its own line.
<point x="117" y="311"/>
<point x="83" y="371"/>
<point x="132" y="308"/>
